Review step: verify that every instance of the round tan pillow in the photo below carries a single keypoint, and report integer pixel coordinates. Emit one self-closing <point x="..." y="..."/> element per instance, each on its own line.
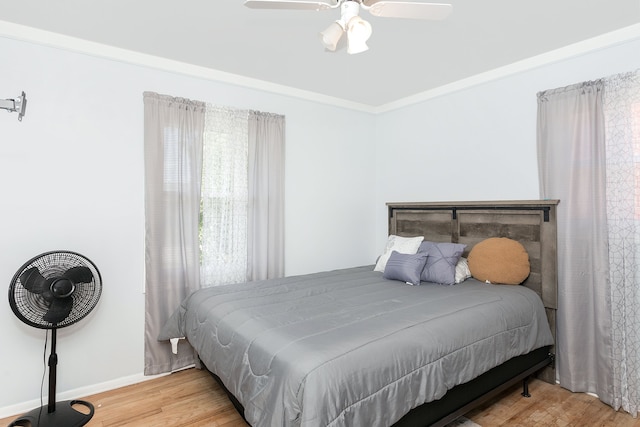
<point x="499" y="260"/>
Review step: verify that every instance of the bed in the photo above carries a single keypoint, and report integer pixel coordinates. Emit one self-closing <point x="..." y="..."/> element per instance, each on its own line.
<point x="350" y="347"/>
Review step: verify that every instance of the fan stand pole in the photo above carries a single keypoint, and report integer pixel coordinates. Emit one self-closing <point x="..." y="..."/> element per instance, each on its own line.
<point x="66" y="415"/>
<point x="53" y="368"/>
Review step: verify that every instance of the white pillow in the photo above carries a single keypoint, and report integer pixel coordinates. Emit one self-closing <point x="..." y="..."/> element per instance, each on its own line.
<point x="403" y="245"/>
<point x="462" y="270"/>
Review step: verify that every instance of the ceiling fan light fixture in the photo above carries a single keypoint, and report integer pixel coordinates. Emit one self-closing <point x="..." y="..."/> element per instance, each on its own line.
<point x="358" y="32"/>
<point x="331" y="36"/>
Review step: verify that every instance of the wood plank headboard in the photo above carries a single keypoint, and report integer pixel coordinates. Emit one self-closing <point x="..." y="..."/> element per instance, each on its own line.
<point x="530" y="222"/>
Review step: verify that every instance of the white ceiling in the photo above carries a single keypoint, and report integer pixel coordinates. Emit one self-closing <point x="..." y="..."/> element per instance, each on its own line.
<point x="406" y="57"/>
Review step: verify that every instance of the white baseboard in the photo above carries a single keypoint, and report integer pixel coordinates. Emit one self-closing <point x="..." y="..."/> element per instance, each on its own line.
<point x="77" y="393"/>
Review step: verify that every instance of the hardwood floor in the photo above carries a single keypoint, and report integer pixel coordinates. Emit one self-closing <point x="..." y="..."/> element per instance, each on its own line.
<point x="192" y="398"/>
<point x="549" y="405"/>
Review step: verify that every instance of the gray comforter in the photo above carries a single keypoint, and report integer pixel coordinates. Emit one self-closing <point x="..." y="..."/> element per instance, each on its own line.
<point x="349" y="348"/>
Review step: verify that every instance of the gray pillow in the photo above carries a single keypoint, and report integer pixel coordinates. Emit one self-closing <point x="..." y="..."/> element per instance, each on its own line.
<point x="441" y="261"/>
<point x="405" y="267"/>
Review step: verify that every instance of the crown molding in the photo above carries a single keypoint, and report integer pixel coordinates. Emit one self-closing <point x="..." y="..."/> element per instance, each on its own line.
<point x="73" y="44"/>
<point x="604" y="41"/>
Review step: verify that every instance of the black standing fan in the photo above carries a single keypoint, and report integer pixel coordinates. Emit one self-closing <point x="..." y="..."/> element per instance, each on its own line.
<point x="51" y="291"/>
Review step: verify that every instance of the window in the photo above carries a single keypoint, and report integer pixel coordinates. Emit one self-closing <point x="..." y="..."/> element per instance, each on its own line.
<point x="224" y="203"/>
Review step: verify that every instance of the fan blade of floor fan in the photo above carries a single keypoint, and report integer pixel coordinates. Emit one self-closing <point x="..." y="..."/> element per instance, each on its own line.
<point x="79" y="274"/>
<point x="400" y="9"/>
<point x="291" y="4"/>
<point x="58" y="310"/>
<point x="33" y="281"/>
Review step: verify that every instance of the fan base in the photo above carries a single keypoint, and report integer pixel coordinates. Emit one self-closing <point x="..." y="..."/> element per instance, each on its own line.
<point x="64" y="415"/>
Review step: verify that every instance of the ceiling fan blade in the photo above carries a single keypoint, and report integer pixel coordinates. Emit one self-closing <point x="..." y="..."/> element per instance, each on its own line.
<point x="411" y="10"/>
<point x="78" y="275"/>
<point x="58" y="310"/>
<point x="33" y="281"/>
<point x="290" y="4"/>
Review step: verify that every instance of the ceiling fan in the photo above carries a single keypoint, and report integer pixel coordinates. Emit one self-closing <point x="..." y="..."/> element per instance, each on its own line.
<point x="358" y="30"/>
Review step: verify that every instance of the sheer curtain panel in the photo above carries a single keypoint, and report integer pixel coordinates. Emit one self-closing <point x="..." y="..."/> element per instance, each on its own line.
<point x="622" y="125"/>
<point x="571" y="159"/>
<point x="223" y="233"/>
<point x="173" y="135"/>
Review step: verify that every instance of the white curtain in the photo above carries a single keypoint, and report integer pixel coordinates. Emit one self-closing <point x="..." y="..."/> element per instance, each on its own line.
<point x="589" y="154"/>
<point x="622" y="124"/>
<point x="173" y="129"/>
<point x="225" y="196"/>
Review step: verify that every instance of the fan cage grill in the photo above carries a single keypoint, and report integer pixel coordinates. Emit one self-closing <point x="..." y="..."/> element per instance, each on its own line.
<point x="31" y="307"/>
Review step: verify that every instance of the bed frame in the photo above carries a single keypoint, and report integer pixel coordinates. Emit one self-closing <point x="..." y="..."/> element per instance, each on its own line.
<point x="532" y="223"/>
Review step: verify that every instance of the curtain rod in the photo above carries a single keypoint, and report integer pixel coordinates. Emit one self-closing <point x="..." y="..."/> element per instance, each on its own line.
<point x="18" y="104"/>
